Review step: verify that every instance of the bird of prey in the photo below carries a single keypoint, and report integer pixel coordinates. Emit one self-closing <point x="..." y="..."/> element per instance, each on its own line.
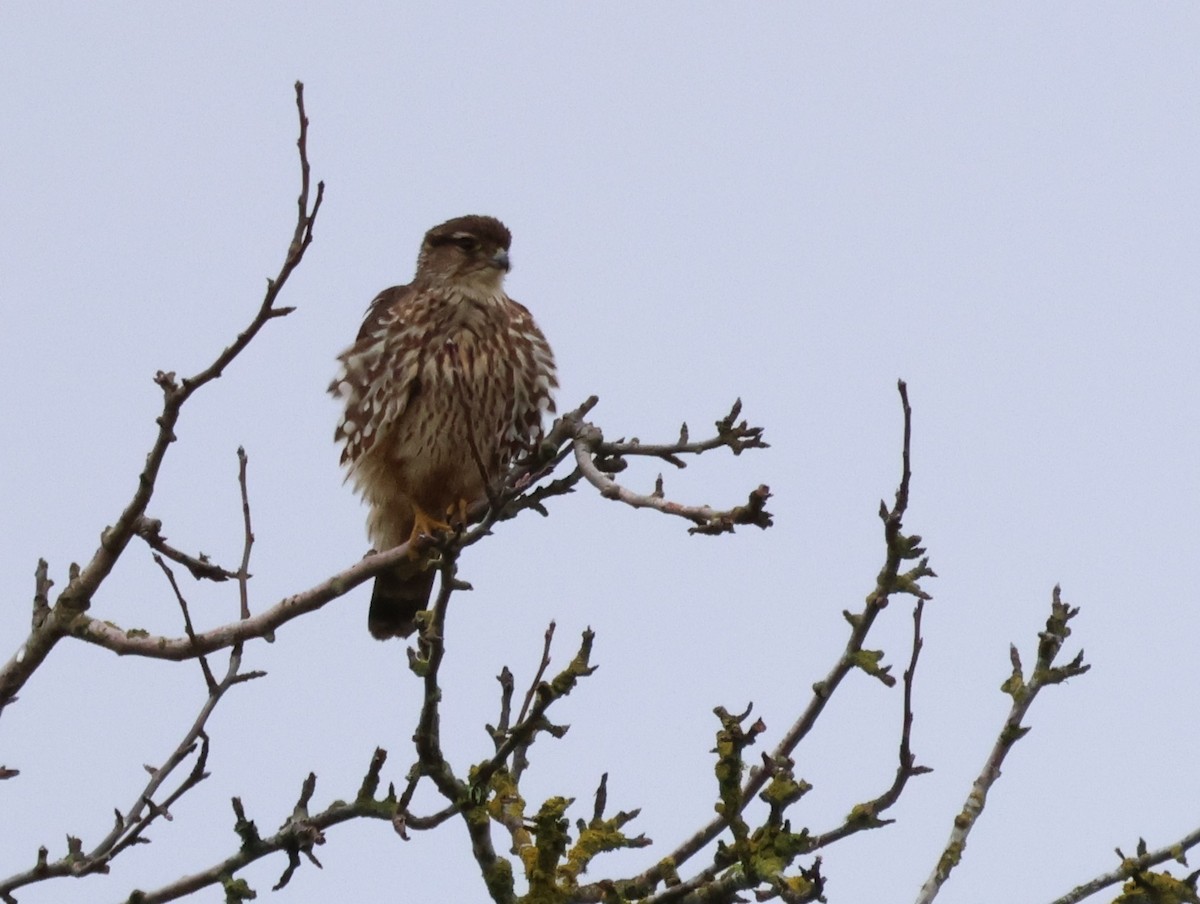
<point x="444" y="387"/>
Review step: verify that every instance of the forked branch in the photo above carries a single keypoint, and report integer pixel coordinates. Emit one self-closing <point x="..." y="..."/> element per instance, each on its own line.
<point x="1023" y="690"/>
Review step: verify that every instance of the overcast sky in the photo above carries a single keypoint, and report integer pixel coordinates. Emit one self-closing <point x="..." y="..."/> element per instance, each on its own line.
<point x="796" y="204"/>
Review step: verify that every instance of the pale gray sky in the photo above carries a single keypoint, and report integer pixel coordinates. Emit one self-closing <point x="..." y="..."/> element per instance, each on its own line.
<point x="795" y="204"/>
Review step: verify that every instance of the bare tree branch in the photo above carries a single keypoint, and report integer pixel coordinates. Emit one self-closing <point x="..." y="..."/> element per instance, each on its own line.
<point x="541" y="670"/>
<point x="596" y="460"/>
<point x="77" y="596"/>
<point x="243" y="572"/>
<point x="1023" y="692"/>
<point x="732" y="435"/>
<point x="137" y="642"/>
<point x="187" y="621"/>
<point x="1134" y="866"/>
<point x="298" y="833"/>
<point x="200" y="567"/>
<point x="867" y="815"/>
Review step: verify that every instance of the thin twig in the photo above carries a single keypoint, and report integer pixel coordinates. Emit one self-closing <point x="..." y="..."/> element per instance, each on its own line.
<point x="200" y="567"/>
<point x="209" y="680"/>
<point x="1023" y="691"/>
<point x="548" y="639"/>
<point x="868" y="815"/>
<point x="707" y="519"/>
<point x="506" y="695"/>
<point x="243" y="572"/>
<point x="520" y="753"/>
<point x="731" y="435"/>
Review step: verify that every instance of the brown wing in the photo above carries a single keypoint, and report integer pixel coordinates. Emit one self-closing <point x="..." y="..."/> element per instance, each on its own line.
<point x="378" y="309"/>
<point x="379" y="371"/>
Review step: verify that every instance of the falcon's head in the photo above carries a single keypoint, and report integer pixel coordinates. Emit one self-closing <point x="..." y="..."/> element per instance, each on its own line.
<point x="471" y="251"/>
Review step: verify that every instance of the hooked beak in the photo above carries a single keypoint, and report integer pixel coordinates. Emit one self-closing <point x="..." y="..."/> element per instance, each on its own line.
<point x="500" y="260"/>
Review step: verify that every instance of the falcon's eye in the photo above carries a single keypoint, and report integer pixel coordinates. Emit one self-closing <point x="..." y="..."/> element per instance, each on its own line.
<point x="466" y="242"/>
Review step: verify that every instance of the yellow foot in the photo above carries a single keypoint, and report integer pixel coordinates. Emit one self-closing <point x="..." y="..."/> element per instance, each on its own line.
<point x="458" y="512"/>
<point x="424" y="525"/>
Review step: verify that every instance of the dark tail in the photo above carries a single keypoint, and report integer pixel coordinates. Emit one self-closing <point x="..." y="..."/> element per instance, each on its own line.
<point x="397" y="598"/>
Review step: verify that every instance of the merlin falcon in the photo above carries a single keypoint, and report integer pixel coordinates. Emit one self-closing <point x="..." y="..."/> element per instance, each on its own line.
<point x="444" y="388"/>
